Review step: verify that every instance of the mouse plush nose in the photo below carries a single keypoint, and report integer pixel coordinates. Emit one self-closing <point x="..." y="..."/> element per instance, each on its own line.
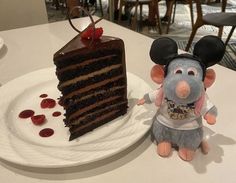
<point x="182" y="89"/>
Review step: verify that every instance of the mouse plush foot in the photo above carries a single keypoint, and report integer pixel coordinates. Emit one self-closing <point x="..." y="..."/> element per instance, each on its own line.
<point x="186" y="154"/>
<point x="164" y="149"/>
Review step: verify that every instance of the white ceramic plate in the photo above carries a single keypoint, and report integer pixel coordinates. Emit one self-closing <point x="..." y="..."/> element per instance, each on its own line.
<point x="1" y="43"/>
<point x="19" y="139"/>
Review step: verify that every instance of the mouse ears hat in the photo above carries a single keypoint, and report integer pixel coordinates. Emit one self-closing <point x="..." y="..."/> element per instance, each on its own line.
<point x="209" y="50"/>
<point x="162" y="50"/>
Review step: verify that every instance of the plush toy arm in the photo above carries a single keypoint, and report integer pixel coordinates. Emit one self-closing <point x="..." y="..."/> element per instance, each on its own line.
<point x="145" y="99"/>
<point x="210" y="116"/>
<point x="209" y="111"/>
<point x="141" y="101"/>
<point x="148" y="98"/>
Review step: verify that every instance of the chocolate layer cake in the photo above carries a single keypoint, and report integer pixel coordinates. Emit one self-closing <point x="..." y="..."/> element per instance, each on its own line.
<point x="92" y="80"/>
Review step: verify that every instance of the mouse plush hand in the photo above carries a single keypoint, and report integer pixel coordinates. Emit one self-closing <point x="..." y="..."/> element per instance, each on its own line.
<point x="181" y="99"/>
<point x="210" y="118"/>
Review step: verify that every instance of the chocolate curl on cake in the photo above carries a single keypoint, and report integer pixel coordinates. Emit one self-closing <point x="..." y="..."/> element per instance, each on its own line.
<point x="91" y="25"/>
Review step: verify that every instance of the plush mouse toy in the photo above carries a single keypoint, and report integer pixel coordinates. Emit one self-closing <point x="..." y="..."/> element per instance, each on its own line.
<point x="181" y="99"/>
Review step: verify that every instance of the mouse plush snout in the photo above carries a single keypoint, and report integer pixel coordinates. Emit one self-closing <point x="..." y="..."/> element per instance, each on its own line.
<point x="182" y="89"/>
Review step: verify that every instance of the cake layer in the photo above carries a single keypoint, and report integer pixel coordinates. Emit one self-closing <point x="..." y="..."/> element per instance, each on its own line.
<point x="103" y="103"/>
<point x="94" y="108"/>
<point x="90" y="116"/>
<point x="118" y="81"/>
<point x="59" y="70"/>
<point x="75" y="105"/>
<point x="85" y="56"/>
<point x="97" y="79"/>
<point x="77" y="131"/>
<point x="91" y="93"/>
<point x="91" y="66"/>
<point x="94" y="97"/>
<point x="96" y="74"/>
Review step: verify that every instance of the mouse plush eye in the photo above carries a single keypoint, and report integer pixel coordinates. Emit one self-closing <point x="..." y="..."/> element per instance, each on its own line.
<point x="178" y="71"/>
<point x="192" y="72"/>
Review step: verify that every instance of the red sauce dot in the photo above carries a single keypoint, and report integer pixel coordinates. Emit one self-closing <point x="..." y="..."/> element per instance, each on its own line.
<point x="57" y="113"/>
<point x="26" y="113"/>
<point x="46" y="132"/>
<point x="38" y="119"/>
<point x="48" y="103"/>
<point x="43" y="95"/>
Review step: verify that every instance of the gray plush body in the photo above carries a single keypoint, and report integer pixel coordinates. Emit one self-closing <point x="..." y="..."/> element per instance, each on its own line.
<point x="185" y="132"/>
<point x="182" y="138"/>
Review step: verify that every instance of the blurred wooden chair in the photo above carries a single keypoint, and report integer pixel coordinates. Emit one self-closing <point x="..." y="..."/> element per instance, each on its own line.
<point x="219" y="20"/>
<point x="94" y="2"/>
<point x="56" y="3"/>
<point x="70" y="4"/>
<point x="138" y="4"/>
<point x="59" y="4"/>
<point x="84" y="3"/>
<point x="172" y="7"/>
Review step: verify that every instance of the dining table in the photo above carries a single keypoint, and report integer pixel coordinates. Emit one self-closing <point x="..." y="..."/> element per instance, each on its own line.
<point x="30" y="49"/>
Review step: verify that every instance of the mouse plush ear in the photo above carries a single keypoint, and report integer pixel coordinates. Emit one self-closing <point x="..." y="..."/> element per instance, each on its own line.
<point x="162" y="50"/>
<point x="210" y="49"/>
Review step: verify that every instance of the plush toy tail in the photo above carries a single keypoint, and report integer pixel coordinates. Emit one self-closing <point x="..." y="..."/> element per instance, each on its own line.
<point x="199" y="104"/>
<point x="159" y="97"/>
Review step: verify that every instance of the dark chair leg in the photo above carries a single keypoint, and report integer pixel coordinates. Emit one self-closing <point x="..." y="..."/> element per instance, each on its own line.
<point x="194" y="31"/>
<point x="191" y="11"/>
<point x="101" y="9"/>
<point x="140" y="17"/>
<point x="229" y="36"/>
<point x="171" y="7"/>
<point x="220" y="31"/>
<point x="173" y="17"/>
<point x="134" y="22"/>
<point x="120" y="11"/>
<point x="158" y="18"/>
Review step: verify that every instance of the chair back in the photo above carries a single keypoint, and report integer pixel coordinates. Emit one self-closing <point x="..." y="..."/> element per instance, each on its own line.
<point x="199" y="9"/>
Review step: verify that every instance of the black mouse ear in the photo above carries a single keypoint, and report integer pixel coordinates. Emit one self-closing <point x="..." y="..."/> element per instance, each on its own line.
<point x="162" y="50"/>
<point x="210" y="49"/>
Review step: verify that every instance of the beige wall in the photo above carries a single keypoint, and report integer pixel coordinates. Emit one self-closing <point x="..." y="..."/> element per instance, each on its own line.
<point x="22" y="13"/>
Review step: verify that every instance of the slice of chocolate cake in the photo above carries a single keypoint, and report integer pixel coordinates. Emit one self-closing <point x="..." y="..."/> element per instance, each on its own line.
<point x="93" y="83"/>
